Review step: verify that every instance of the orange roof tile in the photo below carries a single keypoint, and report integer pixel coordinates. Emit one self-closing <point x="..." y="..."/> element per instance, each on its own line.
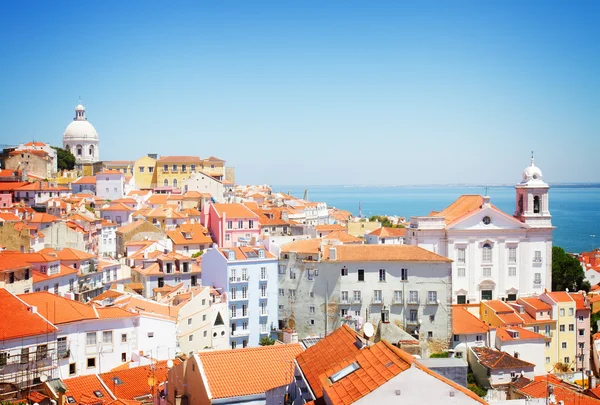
<point x="187" y="234"/>
<point x="43" y="218"/>
<point x="246" y="252"/>
<point x="83" y="388"/>
<point x="579" y="301"/>
<point x="327" y="354"/>
<point x="385" y="232"/>
<point x="86" y="180"/>
<point x="17" y="319"/>
<point x="117" y="206"/>
<point x="464" y="322"/>
<point x="539" y="389"/>
<point x="463" y="205"/>
<point x="59" y="310"/>
<point x="234" y="211"/>
<point x="263" y="368"/>
<point x="330" y="228"/>
<point x="534" y="303"/>
<point x="523" y="334"/>
<point x="310" y="246"/>
<point x="135" y="380"/>
<point x="382" y="253"/>
<point x="494" y="359"/>
<point x="559" y="296"/>
<point x="179" y="159"/>
<point x="343" y="237"/>
<point x="68" y="254"/>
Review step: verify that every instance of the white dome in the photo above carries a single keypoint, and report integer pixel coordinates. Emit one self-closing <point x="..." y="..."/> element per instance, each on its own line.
<point x="532" y="175"/>
<point x="80" y="130"/>
<point x="79" y="108"/>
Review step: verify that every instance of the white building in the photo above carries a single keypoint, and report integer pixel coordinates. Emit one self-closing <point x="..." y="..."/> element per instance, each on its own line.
<point x="81" y="138"/>
<point x="89" y="340"/>
<point x="107" y="245"/>
<point x="38" y="193"/>
<point x="495" y="255"/>
<point x="117" y="212"/>
<point x="110" y="184"/>
<point x="386" y="236"/>
<point x="160" y="269"/>
<point x="249" y="276"/>
<point x="467" y="330"/>
<point x="523" y="344"/>
<point x="204" y="183"/>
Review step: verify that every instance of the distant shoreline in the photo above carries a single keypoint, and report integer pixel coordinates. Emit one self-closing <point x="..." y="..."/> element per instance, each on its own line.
<point x="554" y="185"/>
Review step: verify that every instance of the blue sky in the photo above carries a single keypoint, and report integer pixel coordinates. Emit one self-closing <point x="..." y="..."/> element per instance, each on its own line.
<point x="323" y="92"/>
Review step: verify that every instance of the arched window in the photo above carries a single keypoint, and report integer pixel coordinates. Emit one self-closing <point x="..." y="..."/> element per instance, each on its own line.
<point x="174" y="182"/>
<point x="91" y="150"/>
<point x="487" y="253"/>
<point x="521" y="204"/>
<point x="536" y="204"/>
<point x="79" y="150"/>
<point x="166" y="183"/>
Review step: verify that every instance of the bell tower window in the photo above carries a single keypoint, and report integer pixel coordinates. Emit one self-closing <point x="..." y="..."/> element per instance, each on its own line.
<point x="536" y="204"/>
<point x="91" y="150"/>
<point x="79" y="150"/>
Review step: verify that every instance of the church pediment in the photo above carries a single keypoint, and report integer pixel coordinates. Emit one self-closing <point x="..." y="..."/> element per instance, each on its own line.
<point x="489" y="218"/>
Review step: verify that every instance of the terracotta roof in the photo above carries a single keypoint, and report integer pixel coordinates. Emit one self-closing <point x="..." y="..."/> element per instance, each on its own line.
<point x="382" y="253"/>
<point x="179" y="159"/>
<point x="117" y="206"/>
<point x="59" y="310"/>
<point x="343" y="237"/>
<point x="246" y="252"/>
<point x="42" y="186"/>
<point x="535" y="303"/>
<point x="135" y="380"/>
<point x="562" y="392"/>
<point x="462" y="206"/>
<point x="43" y="218"/>
<point x="310" y="246"/>
<point x="130" y="227"/>
<point x="114" y="313"/>
<point x="559" y="296"/>
<point x="579" y="301"/>
<point x="505" y="335"/>
<point x="464" y="322"/>
<point x="7" y="216"/>
<point x="494" y="359"/>
<point x="234" y="211"/>
<point x="86" y="180"/>
<point x="63" y="272"/>
<point x="262" y="368"/>
<point x="187" y="234"/>
<point x="68" y="254"/>
<point x="326" y="354"/>
<point x="83" y="389"/>
<point x="157" y="199"/>
<point x="330" y="228"/>
<point x="17" y="319"/>
<point x="500" y="307"/>
<point x="385" y="232"/>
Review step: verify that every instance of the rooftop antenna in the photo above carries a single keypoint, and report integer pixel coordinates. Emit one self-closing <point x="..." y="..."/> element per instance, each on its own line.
<point x="531" y="158"/>
<point x="486" y="191"/>
<point x="359" y="210"/>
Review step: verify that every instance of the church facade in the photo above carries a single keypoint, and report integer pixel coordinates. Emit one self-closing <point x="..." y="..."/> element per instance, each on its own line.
<point x="81" y="138"/>
<point x="495" y="255"/>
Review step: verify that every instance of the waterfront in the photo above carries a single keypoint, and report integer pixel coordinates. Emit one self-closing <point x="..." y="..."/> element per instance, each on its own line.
<point x="575" y="209"/>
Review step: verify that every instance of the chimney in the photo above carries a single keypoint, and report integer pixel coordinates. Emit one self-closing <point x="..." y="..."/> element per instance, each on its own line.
<point x="33" y="309"/>
<point x="486" y="202"/>
<point x="332" y="253"/>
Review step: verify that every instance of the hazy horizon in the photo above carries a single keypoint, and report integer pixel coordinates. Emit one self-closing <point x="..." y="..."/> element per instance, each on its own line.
<point x="415" y="93"/>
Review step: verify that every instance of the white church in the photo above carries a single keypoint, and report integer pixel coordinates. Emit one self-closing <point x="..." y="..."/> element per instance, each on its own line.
<point x="81" y="138"/>
<point x="495" y="255"/>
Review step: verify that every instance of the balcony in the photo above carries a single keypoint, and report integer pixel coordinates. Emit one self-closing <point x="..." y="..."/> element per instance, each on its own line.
<point x="238" y="279"/>
<point x="413" y="322"/>
<point x="264" y="312"/>
<point x="239" y="315"/>
<point x="413" y="301"/>
<point x="432" y="302"/>
<point x="238" y="297"/>
<point x="345" y="301"/>
<point x="240" y="332"/>
<point x="357" y="301"/>
<point x="377" y="301"/>
<point x="399" y="301"/>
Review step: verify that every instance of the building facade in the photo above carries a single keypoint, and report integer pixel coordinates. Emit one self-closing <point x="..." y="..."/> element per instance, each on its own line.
<point x="81" y="138"/>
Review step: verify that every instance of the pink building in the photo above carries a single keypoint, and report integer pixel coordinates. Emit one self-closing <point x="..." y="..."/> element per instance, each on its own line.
<point x="5" y="200"/>
<point x="231" y="224"/>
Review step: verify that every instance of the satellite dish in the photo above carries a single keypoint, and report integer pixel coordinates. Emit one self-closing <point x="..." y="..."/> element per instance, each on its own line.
<point x="43" y="378"/>
<point x="368" y="330"/>
<point x="169" y="363"/>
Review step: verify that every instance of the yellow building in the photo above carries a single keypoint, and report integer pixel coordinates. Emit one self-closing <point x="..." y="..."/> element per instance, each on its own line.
<point x="145" y="173"/>
<point x="124" y="166"/>
<point x="214" y="167"/>
<point x="564" y="311"/>
<point x="172" y="170"/>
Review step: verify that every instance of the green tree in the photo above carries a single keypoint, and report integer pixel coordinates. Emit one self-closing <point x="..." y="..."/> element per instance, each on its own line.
<point x="266" y="341"/>
<point x="441" y="355"/>
<point x="567" y="272"/>
<point x="385" y="221"/>
<point x="64" y="159"/>
<point x="594" y="322"/>
<point x="197" y="254"/>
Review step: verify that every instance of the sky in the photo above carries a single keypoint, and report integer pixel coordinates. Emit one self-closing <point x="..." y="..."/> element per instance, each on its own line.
<point x="315" y="92"/>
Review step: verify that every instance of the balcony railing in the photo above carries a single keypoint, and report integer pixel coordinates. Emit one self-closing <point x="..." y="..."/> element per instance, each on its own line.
<point x="240" y="332"/>
<point x="397" y="301"/>
<point x="413" y="301"/>
<point x="238" y="279"/>
<point x="239" y="315"/>
<point x="264" y="312"/>
<point x="432" y="302"/>
<point x="377" y="301"/>
<point x="357" y="300"/>
<point x="412" y="321"/>
<point x="345" y="301"/>
<point x="537" y="260"/>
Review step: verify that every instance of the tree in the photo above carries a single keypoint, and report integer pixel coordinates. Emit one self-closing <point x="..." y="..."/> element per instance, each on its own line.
<point x="64" y="159"/>
<point x="197" y="254"/>
<point x="567" y="272"/>
<point x="385" y="221"/>
<point x="266" y="341"/>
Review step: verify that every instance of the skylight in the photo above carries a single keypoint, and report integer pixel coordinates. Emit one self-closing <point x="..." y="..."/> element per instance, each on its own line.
<point x="98" y="394"/>
<point x="117" y="381"/>
<point x="344" y="372"/>
<point x="70" y="400"/>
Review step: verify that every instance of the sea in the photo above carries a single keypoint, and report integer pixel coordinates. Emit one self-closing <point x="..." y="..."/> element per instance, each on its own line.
<point x="575" y="209"/>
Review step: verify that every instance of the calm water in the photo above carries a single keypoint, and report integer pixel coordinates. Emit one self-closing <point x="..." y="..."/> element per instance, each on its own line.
<point x="575" y="210"/>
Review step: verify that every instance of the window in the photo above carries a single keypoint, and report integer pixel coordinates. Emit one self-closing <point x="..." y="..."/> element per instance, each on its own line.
<point x="547" y="360"/>
<point x="580" y="318"/>
<point x="245" y="274"/>
<point x="377" y="297"/>
<point x="461" y="272"/>
<point x="311" y="309"/>
<point x="562" y="312"/>
<point x="150" y="169"/>
<point x="107" y="337"/>
<point x="292" y="274"/>
<point x="281" y="292"/>
<point x="581" y="332"/>
<point x="581" y="345"/>
<point x="150" y="334"/>
<point x="537" y="258"/>
<point x="193" y="168"/>
<point x="250" y="224"/>
<point x="194" y="281"/>
<point x="123" y="357"/>
<point x="189" y="321"/>
<point x="311" y="294"/>
<point x="292" y="293"/>
<point x="233" y="344"/>
<point x="190" y="338"/>
<point x="263" y="291"/>
<point x="487" y="272"/>
<point x="282" y="269"/>
<point x="344" y="271"/>
<point x="72" y="369"/>
<point x="413" y="297"/>
<point x="486" y="253"/>
<point x="166" y="183"/>
<point x="233" y="292"/>
<point x="571" y="311"/>
<point x="413" y="317"/>
<point x="361" y="275"/>
<point x="240" y="224"/>
<point x="404" y="274"/>
<point x="381" y="274"/>
<point x="90" y="339"/>
<point x="344" y="312"/>
<point x="536" y="204"/>
<point x="456" y="338"/>
<point x="537" y="278"/>
<point x="432" y="297"/>
<point x="174" y="167"/>
<point x="356" y="297"/>
<point x="397" y="297"/>
<point x="571" y="328"/>
<point x="344" y="297"/>
<point x="486" y="294"/>
<point x="563" y="345"/>
<point x="562" y="328"/>
<point x="460" y="255"/>
<point x="41" y="352"/>
<point x="512" y="271"/>
<point x="91" y="362"/>
<point x="62" y="347"/>
<point x="141" y="169"/>
<point x="263" y="273"/>
<point x="229" y="224"/>
<point x="123" y="337"/>
<point x="512" y="255"/>
<point x="461" y="299"/>
<point x="547" y="345"/>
